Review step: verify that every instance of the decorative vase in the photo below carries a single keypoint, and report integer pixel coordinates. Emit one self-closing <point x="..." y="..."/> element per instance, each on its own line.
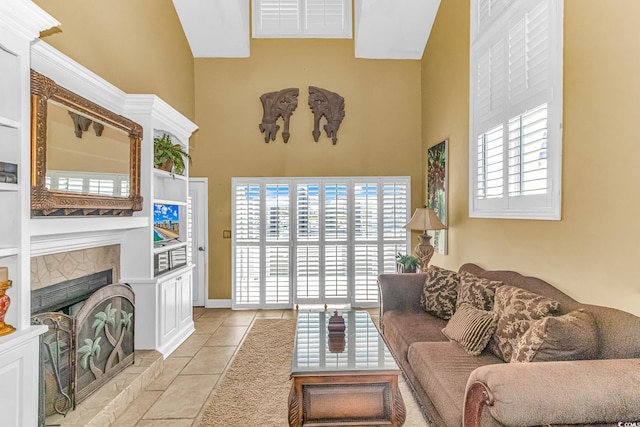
<point x="336" y="324"/>
<point x="4" y="306"/>
<point x="336" y="343"/>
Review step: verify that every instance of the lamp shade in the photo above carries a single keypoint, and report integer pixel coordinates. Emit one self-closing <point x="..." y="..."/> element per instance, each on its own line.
<point x="425" y="219"/>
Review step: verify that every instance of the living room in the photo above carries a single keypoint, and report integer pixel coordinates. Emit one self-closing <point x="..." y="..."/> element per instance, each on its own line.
<point x="418" y="104"/>
<point x="395" y="111"/>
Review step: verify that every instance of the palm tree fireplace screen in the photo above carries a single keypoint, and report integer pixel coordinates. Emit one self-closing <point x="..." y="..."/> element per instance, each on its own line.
<point x="88" y="343"/>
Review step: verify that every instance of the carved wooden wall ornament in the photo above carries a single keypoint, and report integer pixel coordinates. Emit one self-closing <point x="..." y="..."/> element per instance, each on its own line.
<point x="81" y="124"/>
<point x="275" y="105"/>
<point x="331" y="106"/>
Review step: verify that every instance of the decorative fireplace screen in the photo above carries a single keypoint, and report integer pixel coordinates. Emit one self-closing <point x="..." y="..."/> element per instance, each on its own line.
<point x="87" y="344"/>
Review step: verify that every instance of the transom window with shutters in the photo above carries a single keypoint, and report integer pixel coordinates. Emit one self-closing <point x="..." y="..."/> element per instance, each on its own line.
<point x="301" y="18"/>
<point x="516" y="109"/>
<point x="316" y="240"/>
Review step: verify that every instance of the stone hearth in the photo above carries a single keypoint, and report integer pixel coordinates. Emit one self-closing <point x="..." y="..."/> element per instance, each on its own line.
<point x="103" y="407"/>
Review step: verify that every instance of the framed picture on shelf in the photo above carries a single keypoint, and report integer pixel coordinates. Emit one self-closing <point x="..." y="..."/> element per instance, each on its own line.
<point x="437" y="176"/>
<point x="8" y="173"/>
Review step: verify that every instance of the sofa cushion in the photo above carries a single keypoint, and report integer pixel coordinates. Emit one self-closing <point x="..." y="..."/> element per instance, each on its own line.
<point x="476" y="291"/>
<point x="516" y="309"/>
<point x="572" y="336"/>
<point x="442" y="370"/>
<point x="471" y="328"/>
<point x="440" y="292"/>
<point x="401" y="329"/>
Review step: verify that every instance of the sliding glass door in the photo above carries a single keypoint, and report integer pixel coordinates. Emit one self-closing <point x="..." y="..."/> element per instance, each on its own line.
<point x="316" y="240"/>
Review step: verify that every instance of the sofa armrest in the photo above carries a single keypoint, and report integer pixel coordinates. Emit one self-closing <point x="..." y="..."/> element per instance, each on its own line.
<point x="540" y="393"/>
<point x="400" y="291"/>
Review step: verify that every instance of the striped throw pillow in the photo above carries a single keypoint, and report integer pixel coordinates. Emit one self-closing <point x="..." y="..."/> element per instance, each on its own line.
<point x="471" y="328"/>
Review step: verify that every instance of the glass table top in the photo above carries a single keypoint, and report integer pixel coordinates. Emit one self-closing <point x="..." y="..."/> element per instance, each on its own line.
<point x="361" y="348"/>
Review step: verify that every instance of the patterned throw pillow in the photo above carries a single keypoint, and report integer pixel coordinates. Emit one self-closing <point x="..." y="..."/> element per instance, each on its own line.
<point x="516" y="309"/>
<point x="471" y="328"/>
<point x="476" y="291"/>
<point x="440" y="292"/>
<point x="570" y="337"/>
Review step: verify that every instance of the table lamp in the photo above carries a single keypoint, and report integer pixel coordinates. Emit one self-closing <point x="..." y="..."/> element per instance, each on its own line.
<point x="424" y="219"/>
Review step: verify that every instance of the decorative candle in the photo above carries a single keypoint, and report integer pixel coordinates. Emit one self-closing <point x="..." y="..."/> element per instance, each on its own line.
<point x="4" y="274"/>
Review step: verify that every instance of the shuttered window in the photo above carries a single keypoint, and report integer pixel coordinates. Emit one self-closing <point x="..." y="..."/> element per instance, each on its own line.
<point x="316" y="240"/>
<point x="104" y="184"/>
<point x="516" y="109"/>
<point x="302" y="18"/>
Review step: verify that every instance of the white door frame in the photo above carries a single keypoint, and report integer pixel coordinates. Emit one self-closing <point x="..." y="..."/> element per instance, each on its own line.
<point x="199" y="193"/>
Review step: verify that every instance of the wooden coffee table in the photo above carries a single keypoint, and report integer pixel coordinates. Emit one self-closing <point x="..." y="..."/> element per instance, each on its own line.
<point x="343" y="381"/>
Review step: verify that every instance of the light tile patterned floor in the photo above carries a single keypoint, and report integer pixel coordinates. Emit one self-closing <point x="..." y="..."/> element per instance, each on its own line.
<point x="191" y="373"/>
<point x="177" y="397"/>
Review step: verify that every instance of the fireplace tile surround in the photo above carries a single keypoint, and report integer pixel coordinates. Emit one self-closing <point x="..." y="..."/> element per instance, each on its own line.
<point x="47" y="270"/>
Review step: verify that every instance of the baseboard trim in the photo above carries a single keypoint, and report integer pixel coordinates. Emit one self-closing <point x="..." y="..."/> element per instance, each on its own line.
<point x="217" y="303"/>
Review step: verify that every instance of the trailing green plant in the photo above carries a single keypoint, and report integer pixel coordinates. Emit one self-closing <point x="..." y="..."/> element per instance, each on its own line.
<point x="409" y="262"/>
<point x="164" y="150"/>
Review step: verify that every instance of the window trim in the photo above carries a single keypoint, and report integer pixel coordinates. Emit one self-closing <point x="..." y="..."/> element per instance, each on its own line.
<point x="537" y="207"/>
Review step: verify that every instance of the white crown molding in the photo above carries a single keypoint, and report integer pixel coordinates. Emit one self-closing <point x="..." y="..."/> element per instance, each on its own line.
<point x="154" y="107"/>
<point x="71" y="75"/>
<point x="25" y="18"/>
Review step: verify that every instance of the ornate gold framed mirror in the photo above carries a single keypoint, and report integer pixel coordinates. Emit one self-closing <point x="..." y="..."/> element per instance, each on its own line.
<point x="85" y="159"/>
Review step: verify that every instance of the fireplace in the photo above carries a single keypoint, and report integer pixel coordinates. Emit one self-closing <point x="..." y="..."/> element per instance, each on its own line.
<point x="89" y="341"/>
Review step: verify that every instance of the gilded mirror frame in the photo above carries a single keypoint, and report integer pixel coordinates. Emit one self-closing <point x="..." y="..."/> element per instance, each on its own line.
<point x="46" y="202"/>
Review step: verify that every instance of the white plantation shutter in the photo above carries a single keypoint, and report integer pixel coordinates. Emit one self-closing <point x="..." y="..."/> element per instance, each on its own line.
<point x="248" y="239"/>
<point x="395" y="208"/>
<point x="103" y="187"/>
<point x="516" y="109"/>
<point x="106" y="184"/>
<point x="316" y="240"/>
<point x="527" y="153"/>
<point x="302" y="18"/>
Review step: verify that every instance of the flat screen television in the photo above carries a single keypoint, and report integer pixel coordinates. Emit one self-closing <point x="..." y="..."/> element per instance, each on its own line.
<point x="166" y="222"/>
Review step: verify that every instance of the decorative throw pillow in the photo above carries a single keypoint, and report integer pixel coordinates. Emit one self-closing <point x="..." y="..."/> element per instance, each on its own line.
<point x="440" y="292"/>
<point x="572" y="336"/>
<point x="516" y="309"/>
<point x="471" y="328"/>
<point x="476" y="291"/>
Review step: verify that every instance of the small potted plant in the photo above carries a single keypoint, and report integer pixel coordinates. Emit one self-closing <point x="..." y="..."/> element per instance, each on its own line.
<point x="168" y="156"/>
<point x="407" y="263"/>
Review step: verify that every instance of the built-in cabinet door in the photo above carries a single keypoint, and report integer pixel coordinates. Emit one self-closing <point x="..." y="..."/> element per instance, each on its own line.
<point x="175" y="306"/>
<point x="169" y="308"/>
<point x="185" y="290"/>
<point x="19" y="379"/>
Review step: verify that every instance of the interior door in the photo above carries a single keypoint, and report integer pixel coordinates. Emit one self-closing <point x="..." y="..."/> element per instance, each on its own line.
<point x="198" y="195"/>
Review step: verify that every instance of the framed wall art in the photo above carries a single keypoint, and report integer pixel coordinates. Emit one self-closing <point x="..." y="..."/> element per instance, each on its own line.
<point x="437" y="177"/>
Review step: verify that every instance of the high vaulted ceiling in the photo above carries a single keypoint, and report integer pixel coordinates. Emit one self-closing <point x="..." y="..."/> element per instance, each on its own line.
<point x="383" y="29"/>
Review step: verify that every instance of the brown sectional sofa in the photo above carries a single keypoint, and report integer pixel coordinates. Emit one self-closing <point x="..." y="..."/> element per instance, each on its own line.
<point x="456" y="388"/>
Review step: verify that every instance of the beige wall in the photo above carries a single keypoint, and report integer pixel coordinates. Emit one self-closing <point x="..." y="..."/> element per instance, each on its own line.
<point x="138" y="46"/>
<point x="591" y="253"/>
<point x="390" y="105"/>
<point x="380" y="134"/>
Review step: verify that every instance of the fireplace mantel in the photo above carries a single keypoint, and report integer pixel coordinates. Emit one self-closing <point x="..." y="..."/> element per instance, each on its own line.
<point x="53" y="235"/>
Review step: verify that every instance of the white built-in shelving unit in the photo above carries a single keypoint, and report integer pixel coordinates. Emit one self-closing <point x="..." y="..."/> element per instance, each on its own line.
<point x="163" y="317"/>
<point x="167" y="323"/>
<point x="21" y="22"/>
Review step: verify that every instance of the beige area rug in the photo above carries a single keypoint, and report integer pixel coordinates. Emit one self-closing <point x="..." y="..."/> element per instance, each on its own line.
<point x="254" y="391"/>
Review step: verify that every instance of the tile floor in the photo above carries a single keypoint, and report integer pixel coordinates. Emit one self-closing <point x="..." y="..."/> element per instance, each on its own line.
<point x="176" y="398"/>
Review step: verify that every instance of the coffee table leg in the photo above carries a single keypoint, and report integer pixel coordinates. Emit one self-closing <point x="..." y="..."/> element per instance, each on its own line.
<point x="295" y="408"/>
